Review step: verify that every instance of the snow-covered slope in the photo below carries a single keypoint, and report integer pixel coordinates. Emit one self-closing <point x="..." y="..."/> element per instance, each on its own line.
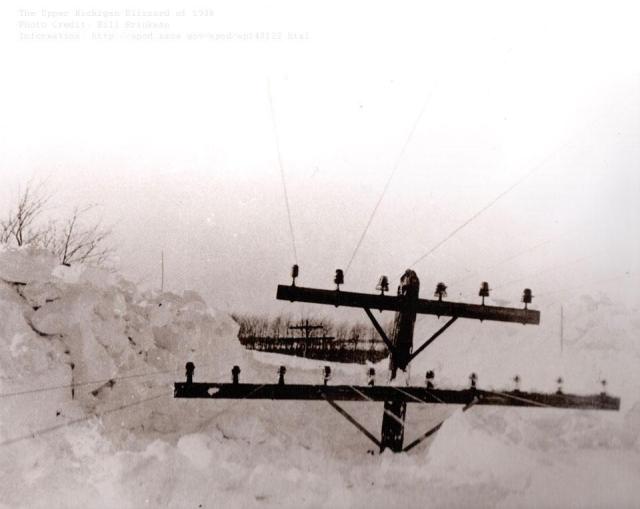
<point x="63" y="326"/>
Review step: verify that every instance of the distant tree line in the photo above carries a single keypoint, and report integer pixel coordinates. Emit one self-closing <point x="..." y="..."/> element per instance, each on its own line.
<point x="328" y="340"/>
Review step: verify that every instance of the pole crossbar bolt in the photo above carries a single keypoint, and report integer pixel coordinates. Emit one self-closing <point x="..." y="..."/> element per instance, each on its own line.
<point x="294" y="274"/>
<point x="235" y="374"/>
<point x="281" y="372"/>
<point x="441" y="291"/>
<point x="190" y="368"/>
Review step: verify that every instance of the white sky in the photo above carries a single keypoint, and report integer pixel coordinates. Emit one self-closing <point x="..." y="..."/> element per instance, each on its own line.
<point x="175" y="140"/>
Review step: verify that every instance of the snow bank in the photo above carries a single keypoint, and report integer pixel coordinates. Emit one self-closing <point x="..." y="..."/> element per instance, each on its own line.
<point x="64" y="326"/>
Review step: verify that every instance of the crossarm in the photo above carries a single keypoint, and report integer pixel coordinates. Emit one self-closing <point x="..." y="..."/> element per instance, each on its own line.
<point x="395" y="303"/>
<point x="387" y="393"/>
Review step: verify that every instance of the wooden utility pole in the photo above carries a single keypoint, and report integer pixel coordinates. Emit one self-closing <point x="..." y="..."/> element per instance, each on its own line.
<point x="161" y="271"/>
<point x="561" y="328"/>
<point x="407" y="305"/>
<point x="395" y="409"/>
<point x="307" y="328"/>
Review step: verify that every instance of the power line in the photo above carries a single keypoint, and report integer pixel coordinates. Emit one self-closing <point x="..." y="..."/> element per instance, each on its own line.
<point x="487" y="206"/>
<point x="230" y="406"/>
<point x="388" y="182"/>
<point x="72" y="422"/>
<point x="501" y="195"/>
<point x="535" y="274"/>
<point x="543" y="271"/>
<point x="91" y="382"/>
<point x="503" y="261"/>
<point x="548" y="269"/>
<point x="586" y="285"/>
<point x="519" y="398"/>
<point x="282" y="176"/>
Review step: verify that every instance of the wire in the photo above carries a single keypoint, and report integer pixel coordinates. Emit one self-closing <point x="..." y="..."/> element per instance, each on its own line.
<point x="282" y="176"/>
<point x="409" y="395"/>
<point x="519" y="398"/>
<point x="387" y="412"/>
<point x="230" y="406"/>
<point x="536" y="274"/>
<point x="388" y="182"/>
<point x="91" y="382"/>
<point x="490" y="204"/>
<point x="502" y="262"/>
<point x="81" y="384"/>
<point x="541" y="272"/>
<point x="564" y="236"/>
<point x="50" y="429"/>
<point x="419" y="399"/>
<point x="434" y="396"/>
<point x="587" y="284"/>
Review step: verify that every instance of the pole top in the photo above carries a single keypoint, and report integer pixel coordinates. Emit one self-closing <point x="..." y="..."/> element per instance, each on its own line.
<point x="409" y="284"/>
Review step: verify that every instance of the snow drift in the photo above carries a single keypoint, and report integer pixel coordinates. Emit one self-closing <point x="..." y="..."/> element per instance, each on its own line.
<point x="110" y="435"/>
<point x="68" y="326"/>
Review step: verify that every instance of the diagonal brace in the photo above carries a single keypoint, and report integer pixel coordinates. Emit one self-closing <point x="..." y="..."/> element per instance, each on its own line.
<point x="348" y="417"/>
<point x="390" y="414"/>
<point x="433" y="338"/>
<point x="380" y="330"/>
<point x="422" y="437"/>
<point x="426" y="435"/>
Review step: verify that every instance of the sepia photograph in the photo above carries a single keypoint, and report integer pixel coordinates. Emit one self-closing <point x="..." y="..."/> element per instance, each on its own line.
<point x="339" y="255"/>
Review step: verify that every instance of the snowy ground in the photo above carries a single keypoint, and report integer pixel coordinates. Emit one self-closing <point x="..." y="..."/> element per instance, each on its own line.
<point x="69" y="325"/>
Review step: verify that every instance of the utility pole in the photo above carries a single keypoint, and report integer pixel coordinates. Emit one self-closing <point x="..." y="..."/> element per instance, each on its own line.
<point x="561" y="328"/>
<point x="161" y="271"/>
<point x="392" y="435"/>
<point x="307" y="328"/>
<point x="407" y="305"/>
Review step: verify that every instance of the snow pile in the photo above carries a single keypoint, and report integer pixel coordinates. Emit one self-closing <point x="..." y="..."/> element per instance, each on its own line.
<point x="131" y="445"/>
<point x="529" y="458"/>
<point x="66" y="326"/>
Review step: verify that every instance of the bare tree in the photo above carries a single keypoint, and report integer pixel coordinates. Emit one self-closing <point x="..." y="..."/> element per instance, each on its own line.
<point x="75" y="240"/>
<point x="341" y="331"/>
<point x="83" y="242"/>
<point x="20" y="225"/>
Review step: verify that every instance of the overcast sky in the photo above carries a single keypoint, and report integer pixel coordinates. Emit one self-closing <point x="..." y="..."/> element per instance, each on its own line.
<point x="175" y="140"/>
